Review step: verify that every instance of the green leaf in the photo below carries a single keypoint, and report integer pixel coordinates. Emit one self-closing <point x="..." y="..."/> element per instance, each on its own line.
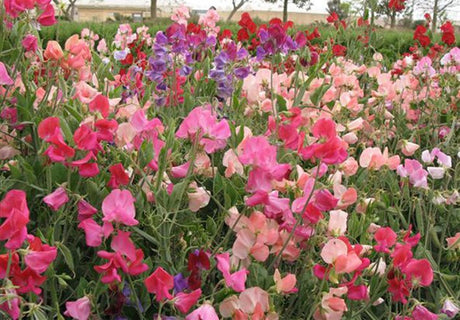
<point x="68" y="258"/>
<point x="145" y="153"/>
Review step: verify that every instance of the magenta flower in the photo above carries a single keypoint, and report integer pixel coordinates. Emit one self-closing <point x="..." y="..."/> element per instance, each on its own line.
<point x="56" y="199"/>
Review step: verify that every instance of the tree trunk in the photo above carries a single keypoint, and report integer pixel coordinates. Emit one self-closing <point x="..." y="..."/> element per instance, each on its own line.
<point x="393" y="19"/>
<point x="235" y="9"/>
<point x="285" y="11"/>
<point x="72" y="10"/>
<point x="153" y="9"/>
<point x="434" y="22"/>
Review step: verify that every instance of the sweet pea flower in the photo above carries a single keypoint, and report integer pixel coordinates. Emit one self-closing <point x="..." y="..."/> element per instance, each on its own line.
<point x="198" y="197"/>
<point x="422" y="313"/>
<point x="408" y="148"/>
<point x="204" y="312"/>
<point x="159" y="283"/>
<point x="5" y="79"/>
<point x="286" y="284"/>
<point x="30" y="43"/>
<point x="118" y="207"/>
<point x="453" y="242"/>
<point x="39" y="256"/>
<point x="450" y="309"/>
<point x="14" y="209"/>
<point x="56" y="199"/>
<point x="235" y="280"/>
<point x="184" y="301"/>
<point x="385" y="238"/>
<point x="79" y="309"/>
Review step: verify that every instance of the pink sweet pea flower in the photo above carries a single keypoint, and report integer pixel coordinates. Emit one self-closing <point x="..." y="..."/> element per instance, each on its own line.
<point x="253" y="298"/>
<point x="118" y="206"/>
<point x="47" y="17"/>
<point x="337" y="222"/>
<point x="159" y="283"/>
<point x="236" y="280"/>
<point x="11" y="306"/>
<point x="198" y="197"/>
<point x="100" y="103"/>
<point x="204" y="312"/>
<point x="419" y="272"/>
<point x="184" y="301"/>
<point x="201" y="124"/>
<point x="56" y="199"/>
<point x="93" y="232"/>
<point x="453" y="242"/>
<point x="286" y="284"/>
<point x="332" y="306"/>
<point x="422" y="313"/>
<point x="14" y="208"/>
<point x="409" y="148"/>
<point x="79" y="310"/>
<point x="5" y="79"/>
<point x="39" y="256"/>
<point x="30" y="43"/>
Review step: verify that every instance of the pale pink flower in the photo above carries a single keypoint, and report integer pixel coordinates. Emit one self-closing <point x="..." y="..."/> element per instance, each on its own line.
<point x="198" y="197"/>
<point x="204" y="312"/>
<point x="409" y="148"/>
<point x="337" y="222"/>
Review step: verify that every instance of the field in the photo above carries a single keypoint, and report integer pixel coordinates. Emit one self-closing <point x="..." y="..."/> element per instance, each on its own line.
<point x="209" y="171"/>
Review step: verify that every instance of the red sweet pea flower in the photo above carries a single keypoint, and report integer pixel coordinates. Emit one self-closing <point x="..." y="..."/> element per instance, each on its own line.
<point x="420" y="35"/>
<point x="118" y="176"/>
<point x="333" y="17"/>
<point x="100" y="103"/>
<point x="396" y="5"/>
<point x="247" y="23"/>
<point x="339" y="50"/>
<point x="399" y="289"/>
<point x="159" y="283"/>
<point x="448" y="33"/>
<point x="242" y="35"/>
<point x="385" y="238"/>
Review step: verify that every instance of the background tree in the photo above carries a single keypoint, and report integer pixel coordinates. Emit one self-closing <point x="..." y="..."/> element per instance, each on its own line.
<point x="67" y="9"/>
<point x="153" y="9"/>
<point x="299" y="3"/>
<point x="437" y="9"/>
<point x="342" y="9"/>
<point x="236" y="7"/>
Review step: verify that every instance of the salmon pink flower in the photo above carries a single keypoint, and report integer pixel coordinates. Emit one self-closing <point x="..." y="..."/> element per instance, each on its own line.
<point x="53" y="51"/>
<point x="79" y="309"/>
<point x="56" y="199"/>
<point x="253" y="298"/>
<point x="408" y="148"/>
<point x="286" y="284"/>
<point x="159" y="283"/>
